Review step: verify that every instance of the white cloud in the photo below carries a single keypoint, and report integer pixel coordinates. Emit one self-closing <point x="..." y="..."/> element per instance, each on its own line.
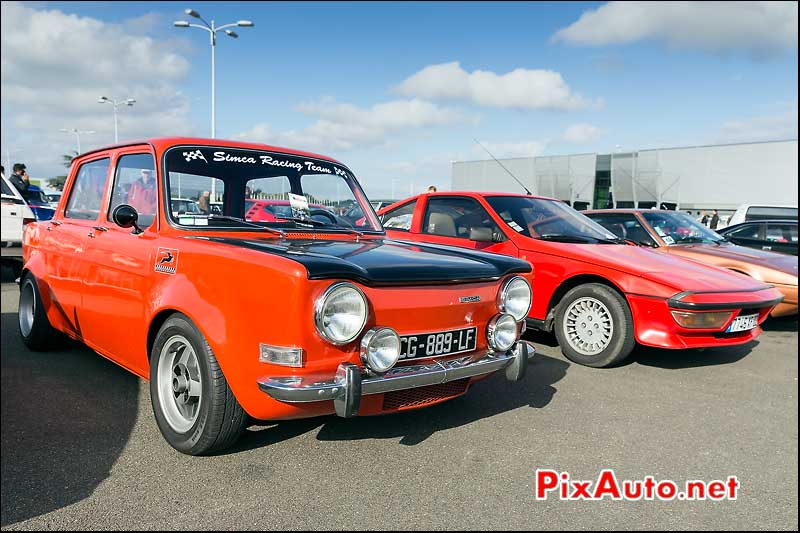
<point x="343" y="126"/>
<point x="761" y="28"/>
<point x="55" y="66"/>
<point x="770" y="127"/>
<point x="581" y="133"/>
<point x="519" y="89"/>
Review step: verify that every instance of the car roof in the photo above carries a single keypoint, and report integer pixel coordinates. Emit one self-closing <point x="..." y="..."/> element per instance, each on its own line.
<point x="747" y="206"/>
<point x="762" y="221"/>
<point x="162" y="143"/>
<point x="625" y="210"/>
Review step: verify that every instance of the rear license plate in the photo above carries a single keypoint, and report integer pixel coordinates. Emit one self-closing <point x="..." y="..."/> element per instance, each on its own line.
<point x="743" y="323"/>
<point x="423" y="345"/>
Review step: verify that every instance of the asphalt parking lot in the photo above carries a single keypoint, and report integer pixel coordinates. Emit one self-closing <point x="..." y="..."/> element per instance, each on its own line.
<point x="81" y="450"/>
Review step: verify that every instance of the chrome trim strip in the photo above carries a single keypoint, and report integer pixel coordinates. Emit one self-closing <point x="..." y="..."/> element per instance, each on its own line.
<point x="300" y="390"/>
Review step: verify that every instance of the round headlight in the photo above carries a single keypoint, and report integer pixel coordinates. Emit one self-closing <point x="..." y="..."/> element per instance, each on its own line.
<point x="515" y="298"/>
<point x="341" y="313"/>
<point x="380" y="349"/>
<point x="502" y="333"/>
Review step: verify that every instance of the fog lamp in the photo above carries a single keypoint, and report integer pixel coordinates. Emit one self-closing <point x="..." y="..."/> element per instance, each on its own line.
<point x="502" y="332"/>
<point x="380" y="349"/>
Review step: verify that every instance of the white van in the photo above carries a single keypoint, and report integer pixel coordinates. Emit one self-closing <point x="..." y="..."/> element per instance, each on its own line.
<point x="15" y="214"/>
<point x="748" y="212"/>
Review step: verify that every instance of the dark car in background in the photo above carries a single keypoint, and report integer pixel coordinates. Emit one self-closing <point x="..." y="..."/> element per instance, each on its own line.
<point x="39" y="203"/>
<point x="772" y="235"/>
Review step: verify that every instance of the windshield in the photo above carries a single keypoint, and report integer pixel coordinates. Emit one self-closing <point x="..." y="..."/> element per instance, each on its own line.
<point x="679" y="228"/>
<point x="232" y="187"/>
<point x="549" y="220"/>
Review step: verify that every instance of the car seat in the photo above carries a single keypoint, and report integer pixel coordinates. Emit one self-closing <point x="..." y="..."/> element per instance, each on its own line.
<point x="441" y="224"/>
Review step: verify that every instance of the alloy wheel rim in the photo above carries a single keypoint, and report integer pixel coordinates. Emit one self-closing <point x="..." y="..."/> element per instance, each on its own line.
<point x="27" y="308"/>
<point x="588" y="326"/>
<point x="180" y="384"/>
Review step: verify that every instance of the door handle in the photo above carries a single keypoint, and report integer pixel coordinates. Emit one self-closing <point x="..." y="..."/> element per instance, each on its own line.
<point x="55" y="222"/>
<point x="100" y="228"/>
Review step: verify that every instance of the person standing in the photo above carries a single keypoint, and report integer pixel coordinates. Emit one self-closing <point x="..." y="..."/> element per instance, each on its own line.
<point x="142" y="195"/>
<point x="20" y="179"/>
<point x="714" y="220"/>
<point x="432" y="188"/>
<point x="204" y="202"/>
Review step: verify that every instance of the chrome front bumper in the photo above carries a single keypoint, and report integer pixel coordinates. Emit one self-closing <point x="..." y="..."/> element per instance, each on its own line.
<point x="350" y="384"/>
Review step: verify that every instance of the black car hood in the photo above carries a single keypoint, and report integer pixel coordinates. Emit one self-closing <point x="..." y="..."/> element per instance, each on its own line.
<point x="384" y="261"/>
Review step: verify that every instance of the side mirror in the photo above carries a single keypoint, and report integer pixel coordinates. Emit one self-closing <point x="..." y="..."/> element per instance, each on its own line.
<point x="125" y="216"/>
<point x="480" y="234"/>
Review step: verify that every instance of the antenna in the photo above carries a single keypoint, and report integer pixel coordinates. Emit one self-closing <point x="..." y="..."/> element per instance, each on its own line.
<point x="504" y="168"/>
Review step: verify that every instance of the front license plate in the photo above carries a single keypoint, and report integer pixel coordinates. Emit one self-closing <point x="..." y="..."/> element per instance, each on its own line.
<point x="743" y="323"/>
<point x="424" y="345"/>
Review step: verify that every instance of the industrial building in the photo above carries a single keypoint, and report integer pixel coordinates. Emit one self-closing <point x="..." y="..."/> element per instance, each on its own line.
<point x="697" y="177"/>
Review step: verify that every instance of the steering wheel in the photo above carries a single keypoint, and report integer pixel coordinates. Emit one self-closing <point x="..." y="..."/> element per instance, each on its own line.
<point x="327" y="215"/>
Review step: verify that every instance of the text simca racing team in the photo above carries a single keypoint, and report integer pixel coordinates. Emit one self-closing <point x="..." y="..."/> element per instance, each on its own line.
<point x="273" y="306"/>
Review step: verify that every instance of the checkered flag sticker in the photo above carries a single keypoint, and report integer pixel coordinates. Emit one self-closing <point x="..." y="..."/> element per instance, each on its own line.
<point x="191" y="156"/>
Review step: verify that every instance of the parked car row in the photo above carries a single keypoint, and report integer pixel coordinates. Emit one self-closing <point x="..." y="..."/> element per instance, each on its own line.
<point x="373" y="314"/>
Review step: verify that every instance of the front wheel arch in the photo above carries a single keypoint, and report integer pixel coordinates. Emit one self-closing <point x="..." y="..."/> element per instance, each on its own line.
<point x="569" y="284"/>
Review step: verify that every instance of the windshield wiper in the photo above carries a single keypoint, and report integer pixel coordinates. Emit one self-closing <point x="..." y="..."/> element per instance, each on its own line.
<point x="245" y="223"/>
<point x="309" y="221"/>
<point x="615" y="240"/>
<point x="566" y="238"/>
<point x="319" y="224"/>
<point x="699" y="240"/>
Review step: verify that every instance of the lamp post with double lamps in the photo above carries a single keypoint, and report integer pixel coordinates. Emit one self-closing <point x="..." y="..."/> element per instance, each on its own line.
<point x="116" y="103"/>
<point x="212" y="30"/>
<point x="78" y="134"/>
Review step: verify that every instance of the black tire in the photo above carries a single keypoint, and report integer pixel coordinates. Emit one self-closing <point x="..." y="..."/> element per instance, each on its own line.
<point x="34" y="327"/>
<point x="621" y="341"/>
<point x="220" y="420"/>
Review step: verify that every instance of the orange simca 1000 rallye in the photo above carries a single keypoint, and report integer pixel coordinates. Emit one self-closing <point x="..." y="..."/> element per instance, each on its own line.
<point x="236" y="317"/>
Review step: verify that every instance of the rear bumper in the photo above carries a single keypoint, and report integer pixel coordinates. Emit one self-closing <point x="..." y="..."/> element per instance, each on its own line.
<point x="655" y="326"/>
<point x="351" y="383"/>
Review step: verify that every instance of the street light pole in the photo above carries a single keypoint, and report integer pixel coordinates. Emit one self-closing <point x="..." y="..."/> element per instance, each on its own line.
<point x="213" y="35"/>
<point x="8" y="157"/>
<point x="77" y="133"/>
<point x="115" y="103"/>
<point x="212" y="29"/>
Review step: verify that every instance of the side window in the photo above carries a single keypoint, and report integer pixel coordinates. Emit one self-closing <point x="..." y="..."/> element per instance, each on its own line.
<point x="456" y="217"/>
<point x="747" y="232"/>
<point x="782" y="233"/>
<point x="625" y="226"/>
<point x="135" y="185"/>
<point x="399" y="218"/>
<point x="6" y="188"/>
<point x="86" y="195"/>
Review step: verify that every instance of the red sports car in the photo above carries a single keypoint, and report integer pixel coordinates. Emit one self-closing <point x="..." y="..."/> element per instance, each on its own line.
<point x="262" y="210"/>
<point x="600" y="294"/>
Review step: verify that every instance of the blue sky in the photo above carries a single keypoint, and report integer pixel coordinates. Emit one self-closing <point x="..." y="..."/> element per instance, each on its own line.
<point x="350" y="79"/>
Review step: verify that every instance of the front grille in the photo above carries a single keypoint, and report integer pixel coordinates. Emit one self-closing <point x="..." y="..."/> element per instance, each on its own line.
<point x="418" y="397"/>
